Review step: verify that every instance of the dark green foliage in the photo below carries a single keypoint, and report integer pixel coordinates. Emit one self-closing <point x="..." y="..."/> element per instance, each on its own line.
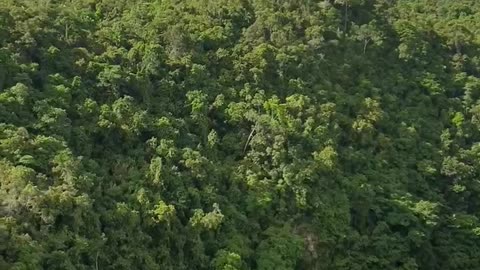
<point x="240" y="134"/>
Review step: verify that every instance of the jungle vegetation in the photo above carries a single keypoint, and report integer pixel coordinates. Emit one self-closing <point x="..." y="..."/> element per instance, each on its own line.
<point x="240" y="134"/>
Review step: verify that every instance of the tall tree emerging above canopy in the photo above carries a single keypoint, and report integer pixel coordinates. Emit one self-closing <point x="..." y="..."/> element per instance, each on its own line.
<point x="240" y="134"/>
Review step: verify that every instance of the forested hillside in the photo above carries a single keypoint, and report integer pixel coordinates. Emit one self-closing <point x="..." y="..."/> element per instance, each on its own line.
<point x="240" y="134"/>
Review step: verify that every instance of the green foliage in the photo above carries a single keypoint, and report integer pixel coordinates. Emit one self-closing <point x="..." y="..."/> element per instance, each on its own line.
<point x="240" y="134"/>
<point x="280" y="249"/>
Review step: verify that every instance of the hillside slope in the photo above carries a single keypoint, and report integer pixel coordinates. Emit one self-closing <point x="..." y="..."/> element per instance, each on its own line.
<point x="240" y="134"/>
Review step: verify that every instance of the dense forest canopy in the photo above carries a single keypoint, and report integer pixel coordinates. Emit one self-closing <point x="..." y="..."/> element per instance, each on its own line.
<point x="240" y="134"/>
